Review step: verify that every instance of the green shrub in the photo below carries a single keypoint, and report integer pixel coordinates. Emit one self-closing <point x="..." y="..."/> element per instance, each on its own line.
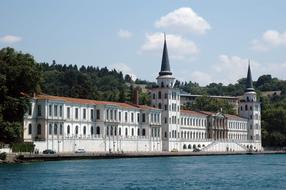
<point x="23" y="147"/>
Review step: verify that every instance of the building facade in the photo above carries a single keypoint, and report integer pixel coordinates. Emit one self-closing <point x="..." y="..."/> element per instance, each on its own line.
<point x="67" y="124"/>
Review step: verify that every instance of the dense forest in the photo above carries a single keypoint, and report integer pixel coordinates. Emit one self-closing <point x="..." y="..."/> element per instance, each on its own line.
<point x="19" y="72"/>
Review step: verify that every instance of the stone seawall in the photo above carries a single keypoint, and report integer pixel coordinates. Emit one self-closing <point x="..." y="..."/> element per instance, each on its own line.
<point x="103" y="155"/>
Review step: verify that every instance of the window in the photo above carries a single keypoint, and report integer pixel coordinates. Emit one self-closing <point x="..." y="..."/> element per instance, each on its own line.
<point x="50" y="110"/>
<point x="61" y="129"/>
<point x="132" y="117"/>
<point x="125" y="116"/>
<point x="132" y="132"/>
<point x="55" y="129"/>
<point x="154" y="96"/>
<point x="119" y="115"/>
<point x="246" y="108"/>
<point x="107" y="114"/>
<point x="159" y="95"/>
<point x="115" y="115"/>
<point x="68" y="112"/>
<point x="97" y="114"/>
<point x="126" y="132"/>
<point x="91" y="114"/>
<point x="111" y="114"/>
<point x="61" y="111"/>
<point x="84" y="130"/>
<point x="162" y="84"/>
<point x="68" y="130"/>
<point x="76" y="130"/>
<point x="143" y="132"/>
<point x="50" y="129"/>
<point x="119" y="132"/>
<point x="98" y="130"/>
<point x="84" y="113"/>
<point x="30" y="129"/>
<point x="30" y="109"/>
<point x="55" y="110"/>
<point x="39" y="129"/>
<point x="76" y="113"/>
<point x="39" y="110"/>
<point x="138" y="117"/>
<point x="143" y="117"/>
<point x="159" y="105"/>
<point x="91" y="130"/>
<point x="166" y="107"/>
<point x="138" y="132"/>
<point x="166" y="95"/>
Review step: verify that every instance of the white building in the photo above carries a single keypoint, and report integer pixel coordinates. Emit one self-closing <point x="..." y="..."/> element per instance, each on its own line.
<point x="66" y="124"/>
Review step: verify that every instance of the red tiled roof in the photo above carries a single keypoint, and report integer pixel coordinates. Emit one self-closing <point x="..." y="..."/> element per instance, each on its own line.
<point x="83" y="101"/>
<point x="190" y="112"/>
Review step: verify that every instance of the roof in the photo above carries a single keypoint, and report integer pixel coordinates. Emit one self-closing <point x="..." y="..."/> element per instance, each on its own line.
<point x="249" y="83"/>
<point x="207" y="113"/>
<point x="83" y="101"/>
<point x="145" y="107"/>
<point x="165" y="65"/>
<point x="195" y="113"/>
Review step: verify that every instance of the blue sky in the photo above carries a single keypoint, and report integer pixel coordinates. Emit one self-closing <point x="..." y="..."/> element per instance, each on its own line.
<point x="208" y="41"/>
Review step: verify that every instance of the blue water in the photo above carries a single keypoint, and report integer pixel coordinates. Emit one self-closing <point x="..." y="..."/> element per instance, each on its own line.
<point x="204" y="172"/>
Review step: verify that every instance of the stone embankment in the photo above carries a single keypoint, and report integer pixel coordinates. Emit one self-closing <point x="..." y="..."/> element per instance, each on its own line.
<point x="27" y="157"/>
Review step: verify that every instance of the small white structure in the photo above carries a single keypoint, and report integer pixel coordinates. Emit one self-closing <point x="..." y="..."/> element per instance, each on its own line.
<point x="66" y="124"/>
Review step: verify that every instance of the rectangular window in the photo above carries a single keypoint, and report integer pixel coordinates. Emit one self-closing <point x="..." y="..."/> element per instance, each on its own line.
<point x="125" y="116"/>
<point x="55" y="110"/>
<point x="50" y="110"/>
<point x="91" y="114"/>
<point x="111" y="114"/>
<point x="84" y="113"/>
<point x="132" y="117"/>
<point x="115" y="115"/>
<point x="76" y="113"/>
<point x="68" y="112"/>
<point x="138" y="117"/>
<point x="61" y="111"/>
<point x="119" y="115"/>
<point x="39" y="110"/>
<point x="97" y="114"/>
<point x="143" y="117"/>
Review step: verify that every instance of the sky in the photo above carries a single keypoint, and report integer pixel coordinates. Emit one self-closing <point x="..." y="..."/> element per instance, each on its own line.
<point x="208" y="41"/>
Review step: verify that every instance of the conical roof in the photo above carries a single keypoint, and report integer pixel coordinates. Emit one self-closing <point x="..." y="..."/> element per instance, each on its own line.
<point x="165" y="65"/>
<point x="249" y="83"/>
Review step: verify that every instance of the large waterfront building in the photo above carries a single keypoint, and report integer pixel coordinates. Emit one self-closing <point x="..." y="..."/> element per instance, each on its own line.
<point x="66" y="124"/>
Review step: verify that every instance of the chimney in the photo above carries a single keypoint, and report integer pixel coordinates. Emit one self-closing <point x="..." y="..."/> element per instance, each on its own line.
<point x="135" y="98"/>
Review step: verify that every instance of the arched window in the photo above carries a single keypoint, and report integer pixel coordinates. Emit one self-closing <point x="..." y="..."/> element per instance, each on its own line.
<point x="138" y="132"/>
<point x="98" y="130"/>
<point x="119" y="131"/>
<point x="184" y="146"/>
<point x="84" y="130"/>
<point x="159" y="95"/>
<point x="39" y="129"/>
<point x="159" y="105"/>
<point x="76" y="130"/>
<point x="56" y="129"/>
<point x="162" y="84"/>
<point x="132" y="132"/>
<point x="30" y="129"/>
<point x="68" y="130"/>
<point x="91" y="130"/>
<point x="154" y="96"/>
<point x="190" y="146"/>
<point x="143" y="132"/>
<point x="246" y="108"/>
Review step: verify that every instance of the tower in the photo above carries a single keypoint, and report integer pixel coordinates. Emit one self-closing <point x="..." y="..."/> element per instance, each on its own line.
<point x="250" y="109"/>
<point x="167" y="98"/>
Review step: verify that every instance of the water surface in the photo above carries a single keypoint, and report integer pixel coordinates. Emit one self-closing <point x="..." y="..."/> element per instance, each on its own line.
<point x="202" y="172"/>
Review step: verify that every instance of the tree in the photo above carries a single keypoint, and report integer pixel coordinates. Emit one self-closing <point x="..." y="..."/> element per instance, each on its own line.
<point x="18" y="73"/>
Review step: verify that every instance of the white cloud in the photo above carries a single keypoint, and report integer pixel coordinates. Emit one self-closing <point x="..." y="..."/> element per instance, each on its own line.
<point x="183" y="20"/>
<point x="9" y="39"/>
<point x="125" y="69"/>
<point x="124" y="34"/>
<point x="178" y="47"/>
<point x="268" y="40"/>
<point x="201" y="77"/>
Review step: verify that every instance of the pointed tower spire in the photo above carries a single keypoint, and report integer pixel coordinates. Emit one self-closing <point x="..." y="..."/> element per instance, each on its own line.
<point x="165" y="65"/>
<point x="249" y="83"/>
